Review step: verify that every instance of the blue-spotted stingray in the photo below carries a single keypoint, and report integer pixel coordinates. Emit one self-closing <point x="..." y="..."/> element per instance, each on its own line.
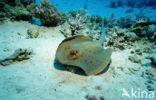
<point x="83" y="52"/>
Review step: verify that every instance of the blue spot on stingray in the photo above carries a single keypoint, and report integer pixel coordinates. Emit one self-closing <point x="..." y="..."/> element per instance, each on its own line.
<point x="100" y="54"/>
<point x="85" y="49"/>
<point x="92" y="69"/>
<point x="90" y="51"/>
<point x="77" y="58"/>
<point x="85" y="60"/>
<point x="77" y="46"/>
<point x="97" y="56"/>
<point x="89" y="56"/>
<point x="90" y="61"/>
<point x="80" y="61"/>
<point x="98" y="65"/>
<point x="94" y="53"/>
<point x="82" y="55"/>
<point x="98" y="50"/>
<point x="93" y="65"/>
<point x="83" y="66"/>
<point x="96" y="60"/>
<point x="92" y="57"/>
<point x="77" y="62"/>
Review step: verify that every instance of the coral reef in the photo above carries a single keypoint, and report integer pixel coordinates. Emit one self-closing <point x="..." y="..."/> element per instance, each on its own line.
<point x="125" y="22"/>
<point x="77" y="24"/>
<point x="15" y="9"/>
<point x="81" y="22"/>
<point x="47" y="13"/>
<point x="142" y="26"/>
<point x="18" y="55"/>
<point x="131" y="3"/>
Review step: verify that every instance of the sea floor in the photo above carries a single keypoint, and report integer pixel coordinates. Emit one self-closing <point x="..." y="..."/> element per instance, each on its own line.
<point x="38" y="79"/>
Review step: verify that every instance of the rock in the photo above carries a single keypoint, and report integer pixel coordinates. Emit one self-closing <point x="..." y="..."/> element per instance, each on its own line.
<point x="139" y="53"/>
<point x="153" y="59"/>
<point x="149" y="87"/>
<point x="19" y="55"/>
<point x="132" y="52"/>
<point x="137" y="50"/>
<point x="91" y="97"/>
<point x="102" y="98"/>
<point x="32" y="33"/>
<point x="134" y="59"/>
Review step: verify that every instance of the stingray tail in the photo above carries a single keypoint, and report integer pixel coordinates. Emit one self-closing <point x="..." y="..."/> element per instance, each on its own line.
<point x="103" y="34"/>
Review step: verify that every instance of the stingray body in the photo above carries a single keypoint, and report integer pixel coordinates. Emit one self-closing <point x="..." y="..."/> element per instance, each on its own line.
<point x="83" y="52"/>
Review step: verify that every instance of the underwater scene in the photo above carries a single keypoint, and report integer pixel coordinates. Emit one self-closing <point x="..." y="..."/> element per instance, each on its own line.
<point x="77" y="49"/>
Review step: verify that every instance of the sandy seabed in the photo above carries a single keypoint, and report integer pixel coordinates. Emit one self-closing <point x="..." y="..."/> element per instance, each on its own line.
<point x="38" y="79"/>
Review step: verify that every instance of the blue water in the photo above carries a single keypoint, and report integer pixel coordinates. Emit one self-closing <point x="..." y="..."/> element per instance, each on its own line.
<point x="102" y="7"/>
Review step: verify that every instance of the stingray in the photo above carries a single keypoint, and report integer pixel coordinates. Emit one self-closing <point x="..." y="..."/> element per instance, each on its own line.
<point x="81" y="51"/>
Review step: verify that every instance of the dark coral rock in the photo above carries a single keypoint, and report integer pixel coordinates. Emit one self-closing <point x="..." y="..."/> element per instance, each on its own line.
<point x="91" y="97"/>
<point x="14" y="10"/>
<point x="47" y="13"/>
<point x="153" y="59"/>
<point x="102" y="98"/>
<point x="134" y="59"/>
<point x="19" y="55"/>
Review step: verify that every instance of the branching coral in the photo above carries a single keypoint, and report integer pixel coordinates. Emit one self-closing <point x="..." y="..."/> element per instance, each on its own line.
<point x="77" y="24"/>
<point x="47" y="13"/>
<point x="125" y="22"/>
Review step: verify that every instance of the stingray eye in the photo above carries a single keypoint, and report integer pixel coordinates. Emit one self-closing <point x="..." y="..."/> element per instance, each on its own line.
<point x="73" y="52"/>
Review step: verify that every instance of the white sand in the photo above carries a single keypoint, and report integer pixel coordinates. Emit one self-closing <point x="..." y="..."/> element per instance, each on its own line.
<point x="37" y="78"/>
